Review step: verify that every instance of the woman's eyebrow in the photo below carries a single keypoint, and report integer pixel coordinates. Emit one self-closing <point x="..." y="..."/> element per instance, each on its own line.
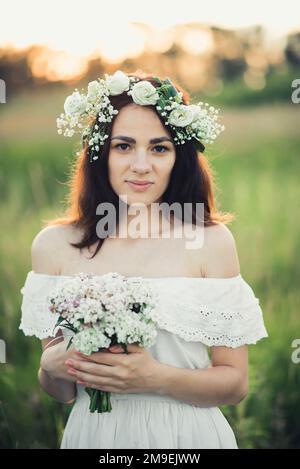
<point x="132" y="140"/>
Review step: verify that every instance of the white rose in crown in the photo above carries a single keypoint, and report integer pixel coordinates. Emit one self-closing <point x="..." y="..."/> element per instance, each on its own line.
<point x="181" y="116"/>
<point x="75" y="104"/>
<point x="117" y="83"/>
<point x="144" y="93"/>
<point x="95" y="91"/>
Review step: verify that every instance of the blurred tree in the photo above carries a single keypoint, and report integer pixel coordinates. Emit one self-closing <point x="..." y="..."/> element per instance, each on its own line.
<point x="292" y="49"/>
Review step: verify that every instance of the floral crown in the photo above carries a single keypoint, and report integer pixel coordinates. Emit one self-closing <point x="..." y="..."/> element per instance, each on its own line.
<point x="195" y="121"/>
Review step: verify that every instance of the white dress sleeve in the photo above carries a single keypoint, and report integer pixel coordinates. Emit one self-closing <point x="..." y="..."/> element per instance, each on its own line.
<point x="215" y="312"/>
<point x="36" y="319"/>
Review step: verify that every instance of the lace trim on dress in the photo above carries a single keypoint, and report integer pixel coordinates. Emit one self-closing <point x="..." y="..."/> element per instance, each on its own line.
<point x="214" y="313"/>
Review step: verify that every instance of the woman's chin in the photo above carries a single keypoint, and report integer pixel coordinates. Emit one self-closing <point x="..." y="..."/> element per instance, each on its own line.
<point x="140" y="200"/>
<point x="135" y="199"/>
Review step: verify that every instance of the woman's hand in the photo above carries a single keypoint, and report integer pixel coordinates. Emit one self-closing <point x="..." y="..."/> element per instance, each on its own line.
<point x="53" y="360"/>
<point x="116" y="372"/>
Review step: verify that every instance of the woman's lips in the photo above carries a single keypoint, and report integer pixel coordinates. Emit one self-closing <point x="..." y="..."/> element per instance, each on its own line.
<point x="139" y="187"/>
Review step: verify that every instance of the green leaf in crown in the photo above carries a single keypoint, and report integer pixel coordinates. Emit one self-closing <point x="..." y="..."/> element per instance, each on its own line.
<point x="161" y="102"/>
<point x="171" y="90"/>
<point x="156" y="79"/>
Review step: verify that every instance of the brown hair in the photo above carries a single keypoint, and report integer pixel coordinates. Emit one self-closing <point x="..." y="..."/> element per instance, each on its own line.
<point x="191" y="180"/>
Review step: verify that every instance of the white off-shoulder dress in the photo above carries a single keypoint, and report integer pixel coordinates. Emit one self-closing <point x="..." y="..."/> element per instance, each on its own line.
<point x="194" y="314"/>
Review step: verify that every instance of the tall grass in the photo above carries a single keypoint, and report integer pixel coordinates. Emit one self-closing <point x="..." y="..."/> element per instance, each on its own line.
<point x="257" y="166"/>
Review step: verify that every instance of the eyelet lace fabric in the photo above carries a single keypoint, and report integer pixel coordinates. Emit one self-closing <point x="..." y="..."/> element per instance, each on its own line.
<point x="214" y="312"/>
<point x="36" y="319"/>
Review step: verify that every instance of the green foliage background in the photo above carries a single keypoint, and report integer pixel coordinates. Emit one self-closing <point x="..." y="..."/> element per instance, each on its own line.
<point x="257" y="163"/>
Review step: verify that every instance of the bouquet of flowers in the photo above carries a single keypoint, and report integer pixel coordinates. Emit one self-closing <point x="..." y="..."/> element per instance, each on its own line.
<point x="103" y="311"/>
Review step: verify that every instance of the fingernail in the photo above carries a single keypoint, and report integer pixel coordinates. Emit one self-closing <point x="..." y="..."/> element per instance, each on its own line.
<point x="69" y="362"/>
<point x="71" y="371"/>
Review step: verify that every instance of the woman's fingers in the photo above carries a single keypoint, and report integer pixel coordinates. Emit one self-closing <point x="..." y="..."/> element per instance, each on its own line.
<point x="98" y="381"/>
<point x="116" y="349"/>
<point x="88" y="367"/>
<point x="105" y="358"/>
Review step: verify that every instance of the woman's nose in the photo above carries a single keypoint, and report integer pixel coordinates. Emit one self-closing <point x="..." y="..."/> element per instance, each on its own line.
<point x="141" y="162"/>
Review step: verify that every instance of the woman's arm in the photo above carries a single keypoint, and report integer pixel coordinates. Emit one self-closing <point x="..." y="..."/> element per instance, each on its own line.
<point x="225" y="382"/>
<point x="56" y="388"/>
<point x="52" y="374"/>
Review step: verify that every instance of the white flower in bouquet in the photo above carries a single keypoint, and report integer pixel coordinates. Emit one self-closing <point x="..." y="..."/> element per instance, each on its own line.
<point x="90" y="339"/>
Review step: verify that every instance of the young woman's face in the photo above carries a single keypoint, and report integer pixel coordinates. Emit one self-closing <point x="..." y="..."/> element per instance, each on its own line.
<point x="134" y="155"/>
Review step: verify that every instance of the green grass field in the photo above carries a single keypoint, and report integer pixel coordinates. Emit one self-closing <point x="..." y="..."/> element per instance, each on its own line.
<point x="257" y="163"/>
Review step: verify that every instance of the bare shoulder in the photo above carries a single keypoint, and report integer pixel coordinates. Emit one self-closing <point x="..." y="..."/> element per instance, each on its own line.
<point x="49" y="247"/>
<point x="220" y="252"/>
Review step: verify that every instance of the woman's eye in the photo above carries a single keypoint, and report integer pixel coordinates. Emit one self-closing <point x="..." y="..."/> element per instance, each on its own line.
<point x="161" y="146"/>
<point x="120" y="144"/>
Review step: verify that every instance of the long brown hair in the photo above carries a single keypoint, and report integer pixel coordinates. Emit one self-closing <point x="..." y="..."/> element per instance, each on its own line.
<point x="191" y="180"/>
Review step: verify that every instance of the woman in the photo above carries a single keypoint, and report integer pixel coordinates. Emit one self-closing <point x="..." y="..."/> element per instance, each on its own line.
<point x="166" y="396"/>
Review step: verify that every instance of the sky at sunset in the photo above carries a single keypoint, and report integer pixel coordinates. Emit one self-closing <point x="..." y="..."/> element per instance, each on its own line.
<point x="81" y="28"/>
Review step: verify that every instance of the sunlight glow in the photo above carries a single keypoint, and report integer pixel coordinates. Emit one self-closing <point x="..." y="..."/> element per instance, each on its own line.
<point x="119" y="30"/>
